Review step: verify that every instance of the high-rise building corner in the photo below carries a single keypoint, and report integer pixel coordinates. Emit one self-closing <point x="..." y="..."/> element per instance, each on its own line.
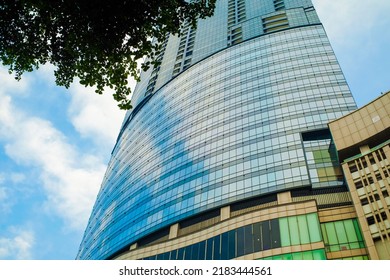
<point x="227" y="153"/>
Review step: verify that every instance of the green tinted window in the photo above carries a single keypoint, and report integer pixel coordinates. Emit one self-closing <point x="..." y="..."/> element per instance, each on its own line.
<point x="357" y="230"/>
<point x="314" y="227"/>
<point x="342" y="235"/>
<point x="306" y="255"/>
<point x="340" y="231"/>
<point x="297" y="256"/>
<point x="303" y="229"/>
<point x="294" y="232"/>
<point x="350" y="231"/>
<point x="284" y="232"/>
<point x="319" y="255"/>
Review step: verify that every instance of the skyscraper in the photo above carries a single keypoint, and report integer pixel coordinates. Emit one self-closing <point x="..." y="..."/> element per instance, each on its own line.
<point x="227" y="153"/>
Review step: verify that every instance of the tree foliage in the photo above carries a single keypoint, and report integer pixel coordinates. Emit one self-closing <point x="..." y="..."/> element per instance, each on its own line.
<point x="98" y="41"/>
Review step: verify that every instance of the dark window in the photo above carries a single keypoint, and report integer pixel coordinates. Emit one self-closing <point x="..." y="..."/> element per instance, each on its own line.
<point x="195" y="251"/>
<point x="188" y="252"/>
<point x="180" y="254"/>
<point x="352" y="167"/>
<point x="275" y="234"/>
<point x="202" y="250"/>
<point x="232" y="244"/>
<point x="166" y="256"/>
<point x="359" y="184"/>
<point x="248" y="243"/>
<point x="209" y="249"/>
<point x="371" y="158"/>
<point x="266" y="233"/>
<point x="173" y="255"/>
<point x="370" y="220"/>
<point x="382" y="153"/>
<point x="225" y="246"/>
<point x="257" y="238"/>
<point x="364" y="201"/>
<point x="217" y="247"/>
<point x="364" y="163"/>
<point x="240" y="241"/>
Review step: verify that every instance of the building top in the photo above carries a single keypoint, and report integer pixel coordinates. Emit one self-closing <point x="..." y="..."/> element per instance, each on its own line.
<point x="369" y="125"/>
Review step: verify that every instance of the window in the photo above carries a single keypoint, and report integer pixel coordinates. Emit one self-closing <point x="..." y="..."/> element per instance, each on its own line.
<point x="342" y="235"/>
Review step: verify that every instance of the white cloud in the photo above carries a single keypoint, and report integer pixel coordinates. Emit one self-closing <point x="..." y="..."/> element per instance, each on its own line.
<point x="10" y="191"/>
<point x="8" y="82"/>
<point x="18" y="246"/>
<point x="95" y="117"/>
<point x="70" y="177"/>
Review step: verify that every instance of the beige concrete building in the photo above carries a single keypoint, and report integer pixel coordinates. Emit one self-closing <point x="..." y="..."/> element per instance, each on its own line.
<point x="362" y="139"/>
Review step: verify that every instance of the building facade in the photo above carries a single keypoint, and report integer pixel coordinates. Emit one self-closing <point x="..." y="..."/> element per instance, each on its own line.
<point x="227" y="153"/>
<point x="362" y="139"/>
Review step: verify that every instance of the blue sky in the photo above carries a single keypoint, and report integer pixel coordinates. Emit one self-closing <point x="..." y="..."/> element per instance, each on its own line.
<point x="55" y="143"/>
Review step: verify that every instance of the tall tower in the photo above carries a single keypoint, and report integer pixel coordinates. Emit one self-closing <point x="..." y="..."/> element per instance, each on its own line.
<point x="227" y="153"/>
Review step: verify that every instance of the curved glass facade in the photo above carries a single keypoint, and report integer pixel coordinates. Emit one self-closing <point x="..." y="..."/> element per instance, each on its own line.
<point x="226" y="128"/>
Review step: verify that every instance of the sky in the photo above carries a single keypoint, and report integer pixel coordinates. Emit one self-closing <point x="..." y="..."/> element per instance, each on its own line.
<point x="55" y="143"/>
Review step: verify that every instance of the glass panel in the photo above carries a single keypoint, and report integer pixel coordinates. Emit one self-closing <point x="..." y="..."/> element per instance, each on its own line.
<point x="275" y="234"/>
<point x="232" y="244"/>
<point x="358" y="233"/>
<point x="314" y="227"/>
<point x="256" y="238"/>
<point x="240" y="242"/>
<point x="188" y="252"/>
<point x="319" y="255"/>
<point x="357" y="229"/>
<point x="323" y="229"/>
<point x="284" y="232"/>
<point x="209" y="249"/>
<point x="202" y="250"/>
<point x="195" y="252"/>
<point x="266" y="234"/>
<point x="297" y="256"/>
<point x="217" y="248"/>
<point x="351" y="234"/>
<point x="332" y="236"/>
<point x="287" y="257"/>
<point x="303" y="229"/>
<point x="173" y="255"/>
<point x="308" y="255"/>
<point x="248" y="247"/>
<point x="180" y="253"/>
<point x="341" y="235"/>
<point x="225" y="246"/>
<point x="294" y="232"/>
